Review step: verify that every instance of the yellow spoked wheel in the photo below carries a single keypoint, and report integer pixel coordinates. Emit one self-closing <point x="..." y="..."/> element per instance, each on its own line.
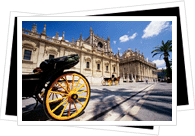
<point x="109" y="82"/>
<point x="73" y="91"/>
<point x="116" y="82"/>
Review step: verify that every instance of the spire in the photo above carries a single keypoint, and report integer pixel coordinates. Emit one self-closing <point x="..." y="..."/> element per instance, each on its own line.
<point x="81" y="36"/>
<point x="63" y="37"/>
<point x="108" y="39"/>
<point x="44" y="29"/>
<point x="72" y="40"/>
<point x="34" y="28"/>
<point x="91" y="31"/>
<point x="43" y="34"/>
<point x="57" y="35"/>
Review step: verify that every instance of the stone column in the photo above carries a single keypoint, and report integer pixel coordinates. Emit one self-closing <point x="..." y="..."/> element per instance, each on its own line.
<point x="62" y="51"/>
<point x="128" y="77"/>
<point x="132" y="77"/>
<point x="82" y="65"/>
<point x="41" y="53"/>
<point x="123" y="76"/>
<point x="110" y="61"/>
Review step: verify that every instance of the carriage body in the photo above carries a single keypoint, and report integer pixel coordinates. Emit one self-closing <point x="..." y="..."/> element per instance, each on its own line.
<point x="110" y="81"/>
<point x="33" y="83"/>
<point x="57" y="89"/>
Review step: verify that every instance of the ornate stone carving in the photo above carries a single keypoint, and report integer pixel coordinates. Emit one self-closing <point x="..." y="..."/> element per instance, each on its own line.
<point x="87" y="59"/>
<point x="106" y="63"/>
<point x="51" y="50"/>
<point x="29" y="45"/>
<point x="98" y="61"/>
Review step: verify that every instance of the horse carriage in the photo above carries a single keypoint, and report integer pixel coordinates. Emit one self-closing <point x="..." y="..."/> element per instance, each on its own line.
<point x="64" y="95"/>
<point x="110" y="81"/>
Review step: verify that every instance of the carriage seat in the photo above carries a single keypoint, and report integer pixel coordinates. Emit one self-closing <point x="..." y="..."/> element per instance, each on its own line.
<point x="58" y="62"/>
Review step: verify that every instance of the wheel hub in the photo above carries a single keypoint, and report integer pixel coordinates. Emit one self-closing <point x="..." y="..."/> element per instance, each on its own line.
<point x="74" y="96"/>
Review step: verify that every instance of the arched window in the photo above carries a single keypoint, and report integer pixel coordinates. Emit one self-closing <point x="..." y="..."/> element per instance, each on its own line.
<point x="87" y="65"/>
<point x="100" y="45"/>
<point x="106" y="68"/>
<point x="98" y="66"/>
<point x="27" y="54"/>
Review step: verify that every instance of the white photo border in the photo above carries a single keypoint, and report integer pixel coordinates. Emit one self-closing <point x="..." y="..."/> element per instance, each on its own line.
<point x="7" y="65"/>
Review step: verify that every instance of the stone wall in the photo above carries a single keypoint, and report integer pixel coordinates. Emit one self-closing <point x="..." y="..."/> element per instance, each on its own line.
<point x="41" y="47"/>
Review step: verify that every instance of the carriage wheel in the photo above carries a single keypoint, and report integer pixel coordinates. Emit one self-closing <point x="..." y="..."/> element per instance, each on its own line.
<point x="109" y="82"/>
<point x="74" y="91"/>
<point x="116" y="82"/>
<point x="103" y="82"/>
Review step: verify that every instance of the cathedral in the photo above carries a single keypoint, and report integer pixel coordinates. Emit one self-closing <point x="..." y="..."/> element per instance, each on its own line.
<point x="96" y="57"/>
<point x="134" y="67"/>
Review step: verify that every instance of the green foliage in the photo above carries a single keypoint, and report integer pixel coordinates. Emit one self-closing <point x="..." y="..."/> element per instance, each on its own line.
<point x="163" y="50"/>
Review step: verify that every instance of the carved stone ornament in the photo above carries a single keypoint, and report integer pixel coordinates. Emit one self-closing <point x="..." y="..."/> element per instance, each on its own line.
<point x="106" y="63"/>
<point x="87" y="59"/>
<point x="29" y="45"/>
<point x="98" y="61"/>
<point x="114" y="65"/>
<point x="52" y="50"/>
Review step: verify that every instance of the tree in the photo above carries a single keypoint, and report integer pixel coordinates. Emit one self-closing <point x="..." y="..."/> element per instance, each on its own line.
<point x="164" y="50"/>
<point x="170" y="62"/>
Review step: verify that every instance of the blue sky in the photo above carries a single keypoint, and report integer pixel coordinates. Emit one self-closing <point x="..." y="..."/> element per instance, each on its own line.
<point x="143" y="35"/>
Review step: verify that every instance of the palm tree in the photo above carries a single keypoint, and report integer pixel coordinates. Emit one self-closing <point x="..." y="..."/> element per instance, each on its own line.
<point x="164" y="50"/>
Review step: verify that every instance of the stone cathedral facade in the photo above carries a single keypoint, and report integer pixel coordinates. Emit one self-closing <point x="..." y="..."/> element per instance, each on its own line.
<point x="96" y="57"/>
<point x="134" y="67"/>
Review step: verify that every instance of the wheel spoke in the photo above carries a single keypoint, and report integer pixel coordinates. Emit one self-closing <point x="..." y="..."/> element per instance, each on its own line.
<point x="67" y="83"/>
<point x="77" y="83"/>
<point x="82" y="97"/>
<point x="80" y="87"/>
<point x="79" y="102"/>
<point x="49" y="95"/>
<point x="57" y="99"/>
<point x="56" y="95"/>
<point x="59" y="105"/>
<point x="74" y="105"/>
<point x="63" y="109"/>
<point x="52" y="96"/>
<point x="63" y="87"/>
<point x="57" y="92"/>
<point x="81" y="92"/>
<point x="72" y="82"/>
<point x="69" y="108"/>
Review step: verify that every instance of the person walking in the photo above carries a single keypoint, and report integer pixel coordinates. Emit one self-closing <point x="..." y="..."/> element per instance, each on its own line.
<point x="146" y="80"/>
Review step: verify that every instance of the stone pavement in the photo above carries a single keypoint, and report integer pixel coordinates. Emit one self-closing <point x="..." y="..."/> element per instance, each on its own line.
<point x="124" y="102"/>
<point x="157" y="104"/>
<point x="110" y="103"/>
